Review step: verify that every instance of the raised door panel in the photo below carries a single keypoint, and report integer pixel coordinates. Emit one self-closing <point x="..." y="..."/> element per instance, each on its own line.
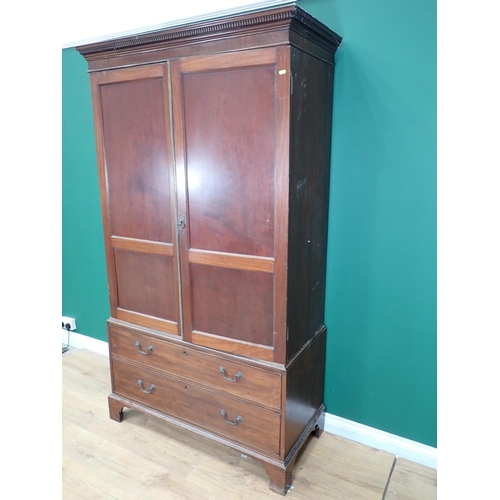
<point x="235" y="303"/>
<point x="136" y="155"/>
<point x="231" y="139"/>
<point x="230" y="159"/>
<point x="136" y="175"/>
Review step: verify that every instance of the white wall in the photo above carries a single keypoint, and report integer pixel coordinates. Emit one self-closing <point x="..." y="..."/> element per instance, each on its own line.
<point x="101" y="19"/>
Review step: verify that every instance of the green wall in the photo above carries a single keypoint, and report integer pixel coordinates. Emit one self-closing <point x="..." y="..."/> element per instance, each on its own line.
<point x="84" y="280"/>
<point x="381" y="268"/>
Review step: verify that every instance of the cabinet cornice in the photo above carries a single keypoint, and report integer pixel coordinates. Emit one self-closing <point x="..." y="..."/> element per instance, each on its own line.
<point x="291" y="19"/>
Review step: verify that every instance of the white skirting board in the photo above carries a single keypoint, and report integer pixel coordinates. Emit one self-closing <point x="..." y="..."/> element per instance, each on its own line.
<point x="401" y="447"/>
<point x="80" y="341"/>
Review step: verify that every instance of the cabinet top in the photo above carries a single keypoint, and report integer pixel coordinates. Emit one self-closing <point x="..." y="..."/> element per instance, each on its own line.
<point x="275" y="26"/>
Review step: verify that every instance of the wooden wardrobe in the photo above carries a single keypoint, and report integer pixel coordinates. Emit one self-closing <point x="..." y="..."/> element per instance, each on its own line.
<point x="213" y="147"/>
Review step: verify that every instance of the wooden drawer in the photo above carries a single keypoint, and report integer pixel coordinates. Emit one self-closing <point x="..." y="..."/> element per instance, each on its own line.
<point x="247" y="424"/>
<point x="246" y="382"/>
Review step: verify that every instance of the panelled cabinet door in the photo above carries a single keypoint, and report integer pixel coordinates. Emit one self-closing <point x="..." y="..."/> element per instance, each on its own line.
<point x="231" y="129"/>
<point x="135" y="167"/>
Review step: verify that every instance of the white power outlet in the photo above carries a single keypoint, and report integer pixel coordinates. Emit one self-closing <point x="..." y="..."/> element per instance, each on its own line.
<point x="68" y="321"/>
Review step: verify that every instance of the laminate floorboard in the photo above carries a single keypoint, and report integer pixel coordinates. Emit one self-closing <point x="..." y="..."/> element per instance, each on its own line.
<point x="411" y="481"/>
<point x="144" y="458"/>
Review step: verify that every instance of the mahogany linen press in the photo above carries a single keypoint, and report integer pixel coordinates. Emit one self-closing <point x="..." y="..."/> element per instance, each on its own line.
<point x="213" y="146"/>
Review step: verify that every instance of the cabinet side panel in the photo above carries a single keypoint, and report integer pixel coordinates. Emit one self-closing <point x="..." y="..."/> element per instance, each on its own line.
<point x="304" y="389"/>
<point x="310" y="143"/>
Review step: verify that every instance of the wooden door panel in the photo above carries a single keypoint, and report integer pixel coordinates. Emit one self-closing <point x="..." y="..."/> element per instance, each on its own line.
<point x="137" y="159"/>
<point x="230" y="144"/>
<point x="146" y="284"/>
<point x="232" y="303"/>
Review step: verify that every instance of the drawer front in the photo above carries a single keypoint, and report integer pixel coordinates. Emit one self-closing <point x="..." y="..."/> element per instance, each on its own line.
<point x="241" y="422"/>
<point x="247" y="382"/>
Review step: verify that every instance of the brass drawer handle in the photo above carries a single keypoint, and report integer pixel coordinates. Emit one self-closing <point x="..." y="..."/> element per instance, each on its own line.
<point x="148" y="350"/>
<point x="238" y="418"/>
<point x="141" y="386"/>
<point x="236" y="377"/>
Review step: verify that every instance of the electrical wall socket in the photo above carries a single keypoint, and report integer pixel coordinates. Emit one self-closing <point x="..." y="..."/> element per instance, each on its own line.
<point x="69" y="321"/>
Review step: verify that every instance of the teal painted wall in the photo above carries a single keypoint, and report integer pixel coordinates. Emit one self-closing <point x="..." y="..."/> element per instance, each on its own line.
<point x="84" y="280"/>
<point x="381" y="264"/>
<point x="381" y="267"/>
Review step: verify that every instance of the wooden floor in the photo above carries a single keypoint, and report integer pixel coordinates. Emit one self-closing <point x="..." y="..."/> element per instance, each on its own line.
<point x="143" y="458"/>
